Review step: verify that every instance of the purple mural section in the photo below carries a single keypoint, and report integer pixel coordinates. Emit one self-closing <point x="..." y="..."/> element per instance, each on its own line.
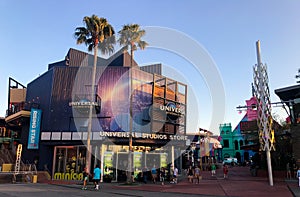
<point x="114" y="91"/>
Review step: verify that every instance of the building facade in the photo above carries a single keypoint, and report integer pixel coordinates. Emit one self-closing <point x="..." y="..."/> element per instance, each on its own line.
<point x="152" y="111"/>
<point x="241" y="141"/>
<point x="290" y="96"/>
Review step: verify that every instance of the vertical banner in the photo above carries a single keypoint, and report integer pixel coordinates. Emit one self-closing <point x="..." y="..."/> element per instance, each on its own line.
<point x="34" y="129"/>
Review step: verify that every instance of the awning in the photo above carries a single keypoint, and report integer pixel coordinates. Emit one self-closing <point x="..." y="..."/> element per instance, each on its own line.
<point x="288" y="93"/>
<point x="17" y="115"/>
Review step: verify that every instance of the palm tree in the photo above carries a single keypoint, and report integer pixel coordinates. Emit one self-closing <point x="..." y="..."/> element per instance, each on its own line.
<point x="130" y="36"/>
<point x="97" y="33"/>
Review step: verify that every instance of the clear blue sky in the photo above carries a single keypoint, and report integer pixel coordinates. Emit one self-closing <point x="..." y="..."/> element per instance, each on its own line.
<point x="36" y="33"/>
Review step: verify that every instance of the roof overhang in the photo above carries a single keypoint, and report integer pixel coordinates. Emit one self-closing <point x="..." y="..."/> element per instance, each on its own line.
<point x="288" y="94"/>
<point x="20" y="114"/>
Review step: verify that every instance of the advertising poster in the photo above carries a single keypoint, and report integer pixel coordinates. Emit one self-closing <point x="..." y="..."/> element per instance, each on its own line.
<point x="137" y="163"/>
<point x="108" y="159"/>
<point x="34" y="129"/>
<point x="137" y="160"/>
<point x="163" y="160"/>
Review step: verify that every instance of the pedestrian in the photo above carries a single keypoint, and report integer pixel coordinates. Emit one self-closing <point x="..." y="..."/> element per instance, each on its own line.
<point x="294" y="174"/>
<point x="190" y="173"/>
<point x="85" y="179"/>
<point x="298" y="176"/>
<point x="213" y="169"/>
<point x="96" y="178"/>
<point x="197" y="174"/>
<point x="225" y="171"/>
<point x="175" y="174"/>
<point x="154" y="174"/>
<point x="145" y="174"/>
<point x="162" y="175"/>
<point x="288" y="170"/>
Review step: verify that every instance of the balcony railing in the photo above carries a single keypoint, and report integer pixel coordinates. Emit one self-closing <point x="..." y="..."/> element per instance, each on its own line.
<point x="16" y="107"/>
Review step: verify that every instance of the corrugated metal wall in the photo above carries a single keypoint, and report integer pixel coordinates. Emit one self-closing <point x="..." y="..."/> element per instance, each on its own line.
<point x="39" y="95"/>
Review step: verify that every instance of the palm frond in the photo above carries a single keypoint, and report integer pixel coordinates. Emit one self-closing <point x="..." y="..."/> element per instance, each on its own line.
<point x="97" y="30"/>
<point x="131" y="35"/>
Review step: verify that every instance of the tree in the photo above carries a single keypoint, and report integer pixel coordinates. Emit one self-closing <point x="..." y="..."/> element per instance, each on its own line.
<point x="97" y="33"/>
<point x="130" y="36"/>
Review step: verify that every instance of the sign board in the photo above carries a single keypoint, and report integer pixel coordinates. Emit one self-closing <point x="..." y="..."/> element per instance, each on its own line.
<point x="248" y="125"/>
<point x="34" y="129"/>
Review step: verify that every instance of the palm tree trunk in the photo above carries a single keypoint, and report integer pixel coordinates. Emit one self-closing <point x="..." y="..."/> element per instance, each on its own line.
<point x="88" y="152"/>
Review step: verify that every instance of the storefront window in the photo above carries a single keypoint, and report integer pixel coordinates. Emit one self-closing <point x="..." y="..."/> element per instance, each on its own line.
<point x="69" y="162"/>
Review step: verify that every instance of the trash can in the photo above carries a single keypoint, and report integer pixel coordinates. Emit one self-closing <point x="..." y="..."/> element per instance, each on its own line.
<point x="34" y="178"/>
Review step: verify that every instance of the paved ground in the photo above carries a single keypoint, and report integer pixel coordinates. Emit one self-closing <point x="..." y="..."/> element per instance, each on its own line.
<point x="239" y="183"/>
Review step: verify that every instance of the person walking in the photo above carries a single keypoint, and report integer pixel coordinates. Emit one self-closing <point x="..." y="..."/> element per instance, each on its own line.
<point x="298" y="176"/>
<point x="162" y="175"/>
<point x="175" y="174"/>
<point x="197" y="174"/>
<point x="225" y="171"/>
<point x="190" y="173"/>
<point x="213" y="169"/>
<point x="96" y="178"/>
<point x="85" y="179"/>
<point x="294" y="171"/>
<point x="145" y="174"/>
<point x="288" y="171"/>
<point x="154" y="174"/>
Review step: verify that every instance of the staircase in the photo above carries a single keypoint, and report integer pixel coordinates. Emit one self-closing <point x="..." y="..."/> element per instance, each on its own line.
<point x="24" y="171"/>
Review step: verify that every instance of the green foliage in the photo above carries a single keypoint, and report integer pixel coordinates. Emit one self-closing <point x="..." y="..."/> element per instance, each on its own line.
<point x="131" y="35"/>
<point x="97" y="32"/>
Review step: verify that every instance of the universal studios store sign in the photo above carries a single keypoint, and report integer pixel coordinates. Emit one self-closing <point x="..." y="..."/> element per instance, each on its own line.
<point x="152" y="136"/>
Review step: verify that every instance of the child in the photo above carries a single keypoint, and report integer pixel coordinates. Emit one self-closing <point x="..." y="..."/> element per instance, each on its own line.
<point x="197" y="174"/>
<point x="213" y="169"/>
<point x="85" y="179"/>
<point x="154" y="174"/>
<point x="97" y="175"/>
<point x="225" y="171"/>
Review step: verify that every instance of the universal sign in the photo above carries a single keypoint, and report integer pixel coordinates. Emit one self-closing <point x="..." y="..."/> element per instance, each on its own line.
<point x="83" y="104"/>
<point x="170" y="107"/>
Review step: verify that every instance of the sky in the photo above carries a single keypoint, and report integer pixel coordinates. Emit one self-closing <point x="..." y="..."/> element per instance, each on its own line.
<point x="224" y="33"/>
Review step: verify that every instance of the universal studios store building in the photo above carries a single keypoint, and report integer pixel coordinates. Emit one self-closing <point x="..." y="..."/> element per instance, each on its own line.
<point x="156" y="121"/>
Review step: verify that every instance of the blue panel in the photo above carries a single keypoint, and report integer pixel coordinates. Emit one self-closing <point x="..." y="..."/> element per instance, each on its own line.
<point x="34" y="129"/>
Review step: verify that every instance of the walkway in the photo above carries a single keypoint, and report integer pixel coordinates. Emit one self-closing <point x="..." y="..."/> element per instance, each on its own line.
<point x="239" y="183"/>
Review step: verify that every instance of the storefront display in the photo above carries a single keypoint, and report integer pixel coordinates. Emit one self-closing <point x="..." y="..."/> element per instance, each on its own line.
<point x="69" y="162"/>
